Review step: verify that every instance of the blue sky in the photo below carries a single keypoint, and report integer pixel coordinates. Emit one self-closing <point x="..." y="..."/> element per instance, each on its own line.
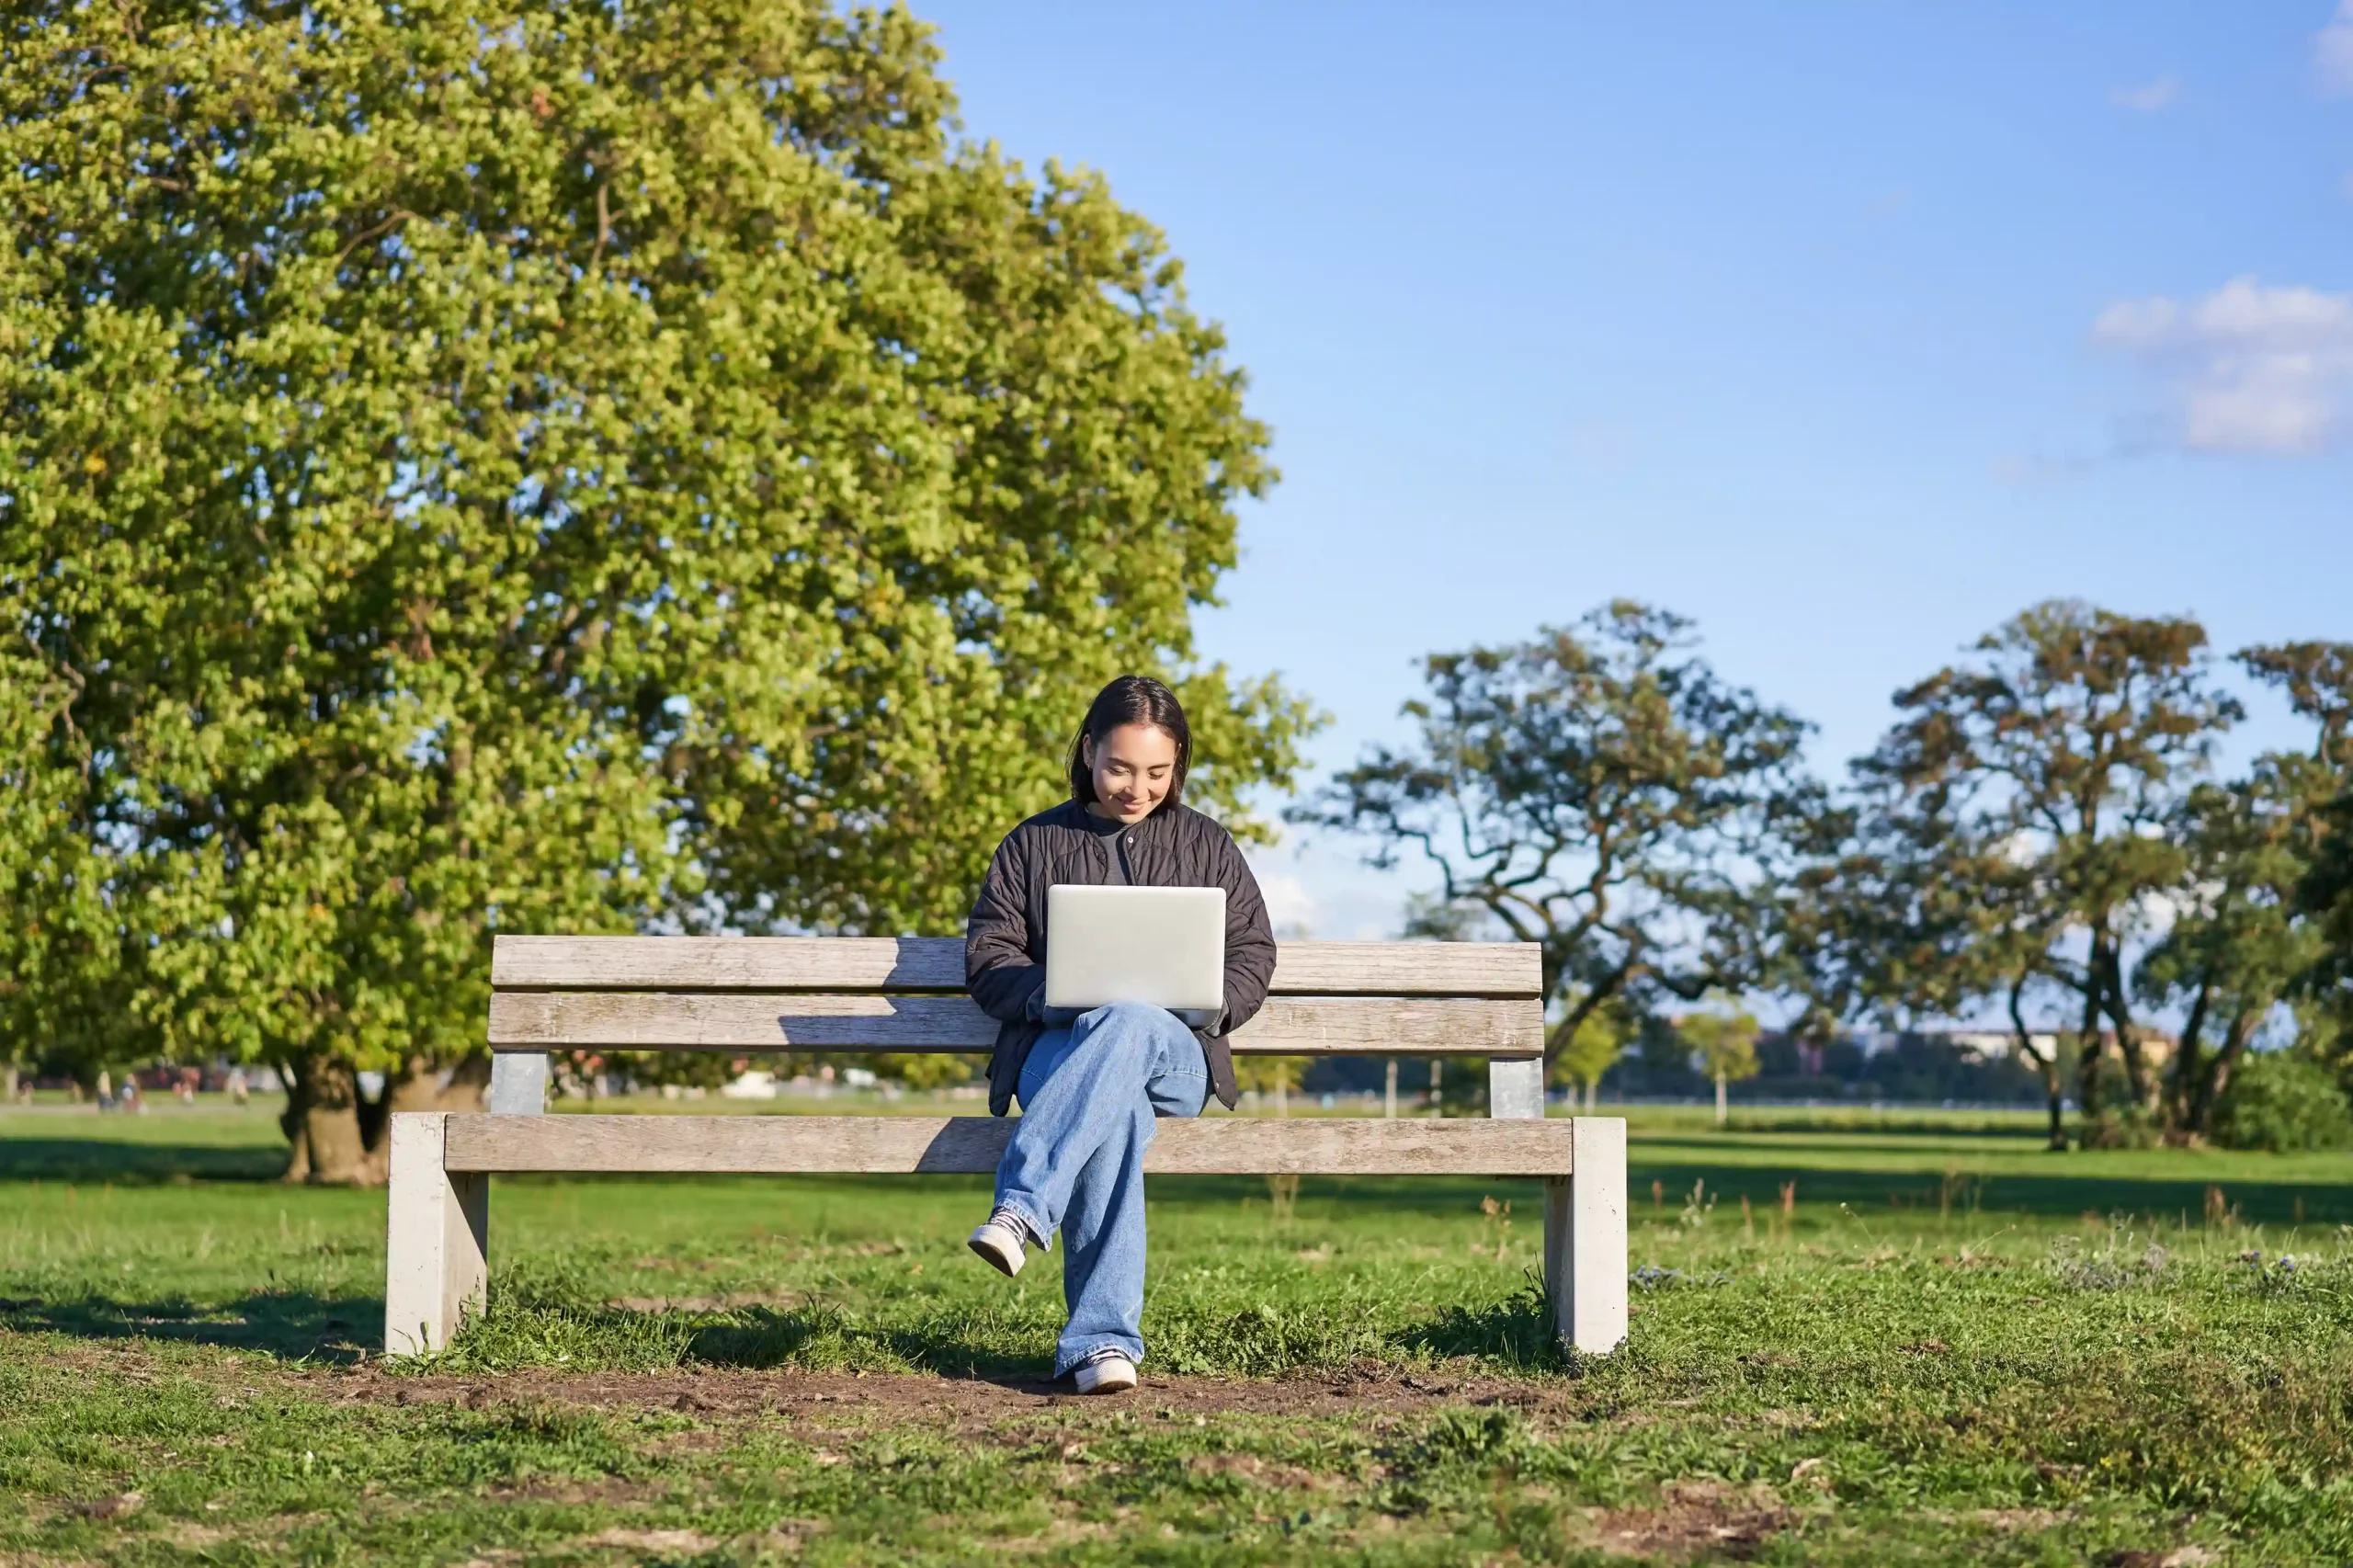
<point x="1848" y="330"/>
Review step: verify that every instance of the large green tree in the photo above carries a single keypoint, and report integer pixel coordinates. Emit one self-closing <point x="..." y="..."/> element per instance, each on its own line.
<point x="1598" y="790"/>
<point x="2059" y="760"/>
<point x="2234" y="949"/>
<point x="2240" y="945"/>
<point x="2317" y="679"/>
<point x="1907" y="903"/>
<point x="549" y="467"/>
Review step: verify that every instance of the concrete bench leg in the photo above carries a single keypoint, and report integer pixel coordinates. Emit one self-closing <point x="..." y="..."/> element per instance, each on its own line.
<point x="437" y="1245"/>
<point x="1584" y="1237"/>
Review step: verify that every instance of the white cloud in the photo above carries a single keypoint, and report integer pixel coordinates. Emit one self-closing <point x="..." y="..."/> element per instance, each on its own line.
<point x="1289" y="906"/>
<point x="2149" y="98"/>
<point x="2333" y="51"/>
<point x="2254" y="369"/>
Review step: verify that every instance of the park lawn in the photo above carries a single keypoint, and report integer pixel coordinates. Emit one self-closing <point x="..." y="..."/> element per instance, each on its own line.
<point x="1953" y="1347"/>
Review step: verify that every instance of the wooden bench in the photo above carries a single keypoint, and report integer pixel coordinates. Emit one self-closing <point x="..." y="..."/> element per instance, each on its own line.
<point x="750" y="994"/>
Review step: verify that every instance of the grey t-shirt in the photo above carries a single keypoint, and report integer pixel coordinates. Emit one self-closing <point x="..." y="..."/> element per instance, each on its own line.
<point x="1116" y="837"/>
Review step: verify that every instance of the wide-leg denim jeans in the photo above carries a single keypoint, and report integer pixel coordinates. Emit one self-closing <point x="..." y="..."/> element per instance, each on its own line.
<point x="1090" y="1095"/>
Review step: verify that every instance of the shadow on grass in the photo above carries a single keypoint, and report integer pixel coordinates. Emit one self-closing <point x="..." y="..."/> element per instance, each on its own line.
<point x="821" y="1336"/>
<point x="549" y="1316"/>
<point x="1255" y="1342"/>
<point x="1889" y="1125"/>
<point x="292" y="1324"/>
<point x="1517" y="1332"/>
<point x="136" y="1164"/>
<point x="2055" y="1194"/>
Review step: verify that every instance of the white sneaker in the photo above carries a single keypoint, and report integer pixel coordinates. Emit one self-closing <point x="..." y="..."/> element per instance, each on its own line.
<point x="1000" y="1240"/>
<point x="1108" y="1373"/>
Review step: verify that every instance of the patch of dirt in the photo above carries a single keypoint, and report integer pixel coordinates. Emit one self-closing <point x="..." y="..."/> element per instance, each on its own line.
<point x="1698" y="1519"/>
<point x="2015" y="1518"/>
<point x="962" y="1403"/>
<point x="1260" y="1471"/>
<point x="652" y="1540"/>
<point x="112" y="1507"/>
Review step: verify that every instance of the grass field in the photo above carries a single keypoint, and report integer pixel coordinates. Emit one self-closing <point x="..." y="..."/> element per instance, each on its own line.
<point x="1952" y="1346"/>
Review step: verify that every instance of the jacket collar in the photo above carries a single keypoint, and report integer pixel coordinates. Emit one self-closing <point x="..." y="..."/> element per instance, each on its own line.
<point x="1073" y="813"/>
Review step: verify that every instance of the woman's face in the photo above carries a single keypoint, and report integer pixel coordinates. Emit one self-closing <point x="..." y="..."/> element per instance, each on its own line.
<point x="1132" y="770"/>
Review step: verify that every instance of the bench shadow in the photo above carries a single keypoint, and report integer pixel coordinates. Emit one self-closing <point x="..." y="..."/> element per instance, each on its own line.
<point x="820" y="1337"/>
<point x="928" y="1022"/>
<point x="291" y="1324"/>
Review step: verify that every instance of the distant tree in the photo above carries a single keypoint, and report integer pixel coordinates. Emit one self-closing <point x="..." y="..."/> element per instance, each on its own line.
<point x="2284" y="1102"/>
<point x="1274" y="1076"/>
<point x="1599" y="792"/>
<point x="2325" y="897"/>
<point x="1594" y="1046"/>
<point x="2235" y="948"/>
<point x="2317" y="678"/>
<point x="1726" y="1046"/>
<point x="1921" y="912"/>
<point x="527" y="466"/>
<point x="2067" y="750"/>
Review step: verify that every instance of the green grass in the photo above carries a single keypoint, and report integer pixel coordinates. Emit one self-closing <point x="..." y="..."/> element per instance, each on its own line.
<point x="1957" y="1347"/>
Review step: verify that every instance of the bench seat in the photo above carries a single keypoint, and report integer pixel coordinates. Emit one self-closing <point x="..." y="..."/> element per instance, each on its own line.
<point x="970" y="1146"/>
<point x="758" y="995"/>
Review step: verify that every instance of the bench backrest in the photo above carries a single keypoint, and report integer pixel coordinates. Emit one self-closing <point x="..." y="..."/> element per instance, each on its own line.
<point x="765" y="994"/>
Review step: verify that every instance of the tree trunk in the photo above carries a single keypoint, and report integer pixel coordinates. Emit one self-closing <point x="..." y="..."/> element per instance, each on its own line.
<point x="294" y="1123"/>
<point x="418" y="1087"/>
<point x="9" y="1084"/>
<point x="1723" y="1112"/>
<point x="321" y="1122"/>
<point x="1389" y="1091"/>
<point x="2184" y="1077"/>
<point x="2209" y="1092"/>
<point x="2090" y="1051"/>
<point x="2046" y="1070"/>
<point x="2128" y="1037"/>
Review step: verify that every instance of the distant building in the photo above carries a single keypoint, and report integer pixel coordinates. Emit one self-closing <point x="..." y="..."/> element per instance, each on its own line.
<point x="1996" y="1045"/>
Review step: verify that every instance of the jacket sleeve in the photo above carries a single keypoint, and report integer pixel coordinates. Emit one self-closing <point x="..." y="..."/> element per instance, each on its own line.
<point x="998" y="971"/>
<point x="1249" y="939"/>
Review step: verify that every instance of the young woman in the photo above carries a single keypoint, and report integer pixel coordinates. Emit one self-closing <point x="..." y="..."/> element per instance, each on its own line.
<point x="1090" y="1089"/>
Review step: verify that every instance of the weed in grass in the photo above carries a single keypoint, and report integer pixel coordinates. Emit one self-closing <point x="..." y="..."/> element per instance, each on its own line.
<point x="2114" y="1265"/>
<point x="1497" y="1228"/>
<point x="1697" y="1206"/>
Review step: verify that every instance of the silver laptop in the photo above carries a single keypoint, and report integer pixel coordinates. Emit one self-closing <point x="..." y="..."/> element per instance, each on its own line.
<point x="1165" y="946"/>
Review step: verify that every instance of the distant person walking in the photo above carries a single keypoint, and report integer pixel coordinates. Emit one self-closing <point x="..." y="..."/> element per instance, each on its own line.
<point x="1091" y="1086"/>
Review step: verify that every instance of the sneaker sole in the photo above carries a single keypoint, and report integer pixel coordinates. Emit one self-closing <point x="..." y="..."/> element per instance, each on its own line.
<point x="1110" y="1382"/>
<point x="995" y="1259"/>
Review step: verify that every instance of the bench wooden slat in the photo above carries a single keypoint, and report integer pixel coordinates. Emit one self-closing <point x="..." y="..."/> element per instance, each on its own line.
<point x="972" y="1144"/>
<point x="543" y="1020"/>
<point x="937" y="963"/>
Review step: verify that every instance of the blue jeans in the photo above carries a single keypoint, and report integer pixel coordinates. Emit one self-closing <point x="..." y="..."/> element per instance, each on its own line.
<point x="1089" y="1096"/>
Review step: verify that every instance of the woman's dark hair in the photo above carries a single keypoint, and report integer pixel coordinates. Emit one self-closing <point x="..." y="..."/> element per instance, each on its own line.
<point x="1132" y="700"/>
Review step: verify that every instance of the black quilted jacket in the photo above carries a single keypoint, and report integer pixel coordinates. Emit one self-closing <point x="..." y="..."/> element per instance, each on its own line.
<point x="1005" y="946"/>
